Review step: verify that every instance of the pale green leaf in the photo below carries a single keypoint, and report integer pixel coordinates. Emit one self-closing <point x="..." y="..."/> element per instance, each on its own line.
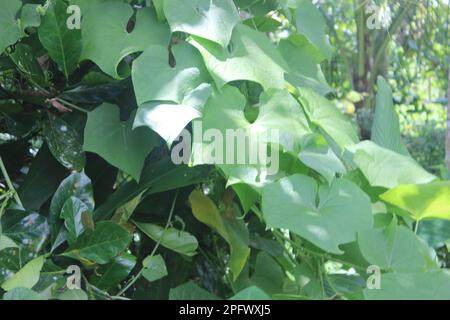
<point x="386" y="127"/>
<point x="210" y="19"/>
<point x="386" y="168"/>
<point x="327" y="216"/>
<point x="10" y="30"/>
<point x="249" y="56"/>
<point x="111" y="42"/>
<point x="116" y="141"/>
<point x="63" y="44"/>
<point x="27" y="277"/>
<point x="423" y="201"/>
<point x="154" y="268"/>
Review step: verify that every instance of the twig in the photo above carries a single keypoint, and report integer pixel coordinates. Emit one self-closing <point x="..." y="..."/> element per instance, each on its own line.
<point x="158" y="243"/>
<point x="9" y="183"/>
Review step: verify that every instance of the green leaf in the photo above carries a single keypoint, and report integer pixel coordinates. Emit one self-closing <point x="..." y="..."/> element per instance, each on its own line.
<point x="73" y="295"/>
<point x="268" y="275"/>
<point x="169" y="120"/>
<point x="154" y="268"/>
<point x="386" y="127"/>
<point x="27" y="277"/>
<point x="191" y="291"/>
<point x="311" y="23"/>
<point x="63" y="44"/>
<point x="30" y="16"/>
<point x="328" y="118"/>
<point x="111" y="42"/>
<point x="175" y="80"/>
<point x="72" y="213"/>
<point x="12" y="260"/>
<point x="158" y="177"/>
<point x="319" y="156"/>
<point x="432" y="285"/>
<point x="210" y="19"/>
<point x="251" y="293"/>
<point x="243" y="58"/>
<point x="65" y="143"/>
<point x="10" y="30"/>
<point x="327" y="216"/>
<point x="386" y="168"/>
<point x="21" y="294"/>
<point x="107" y="241"/>
<point x="257" y="7"/>
<point x="77" y="185"/>
<point x="29" y="230"/>
<point x="396" y="248"/>
<point x="6" y="243"/>
<point x="233" y="230"/>
<point x="171" y="238"/>
<point x="116" y="141"/>
<point x="26" y="61"/>
<point x="304" y="71"/>
<point x="42" y="180"/>
<point x="279" y="113"/>
<point x="426" y="201"/>
<point x="109" y="275"/>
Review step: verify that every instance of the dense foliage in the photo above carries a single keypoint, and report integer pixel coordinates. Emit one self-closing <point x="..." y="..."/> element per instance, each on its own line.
<point x="100" y="102"/>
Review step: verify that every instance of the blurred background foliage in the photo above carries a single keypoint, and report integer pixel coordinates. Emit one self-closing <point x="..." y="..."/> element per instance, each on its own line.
<point x="411" y="48"/>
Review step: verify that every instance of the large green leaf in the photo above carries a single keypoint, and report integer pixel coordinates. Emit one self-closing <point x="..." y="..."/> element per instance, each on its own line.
<point x="43" y="178"/>
<point x="111" y="42"/>
<point x="21" y="294"/>
<point x="29" y="230"/>
<point x="386" y="168"/>
<point x="109" y="275"/>
<point x="425" y="201"/>
<point x="233" y="230"/>
<point x="243" y="59"/>
<point x="171" y="238"/>
<point x="107" y="241"/>
<point x="63" y="44"/>
<point x="76" y="185"/>
<point x="323" y="113"/>
<point x="27" y="277"/>
<point x="319" y="156"/>
<point x="175" y="80"/>
<point x="432" y="285"/>
<point x="281" y="121"/>
<point x="210" y="19"/>
<point x="169" y="119"/>
<point x="10" y="30"/>
<point x="116" y="141"/>
<point x="12" y="260"/>
<point x="327" y="216"/>
<point x="386" y="127"/>
<point x="396" y="248"/>
<point x="311" y="24"/>
<point x="304" y="71"/>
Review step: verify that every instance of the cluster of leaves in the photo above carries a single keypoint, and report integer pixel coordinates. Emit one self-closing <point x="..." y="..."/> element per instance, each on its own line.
<point x="102" y="107"/>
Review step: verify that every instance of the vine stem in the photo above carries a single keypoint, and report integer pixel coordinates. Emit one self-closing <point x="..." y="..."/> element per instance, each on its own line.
<point x="158" y="243"/>
<point x="73" y="106"/>
<point x="9" y="183"/>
